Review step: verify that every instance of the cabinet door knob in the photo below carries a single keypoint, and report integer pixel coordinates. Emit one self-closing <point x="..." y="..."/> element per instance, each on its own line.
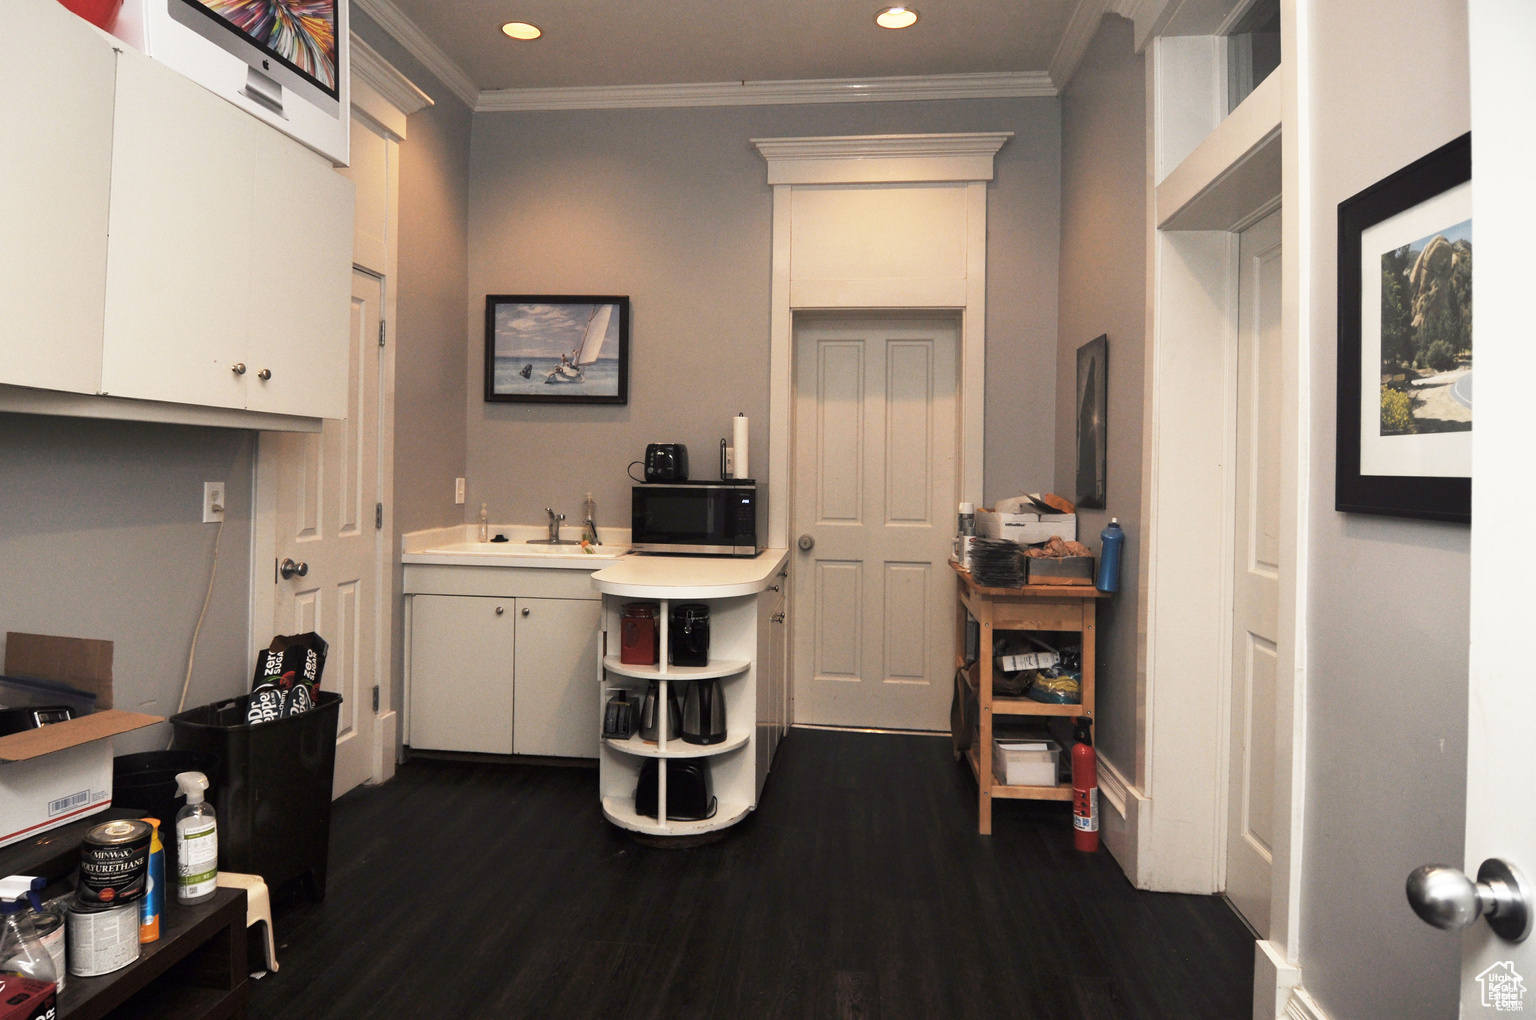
<point x="500" y="610"/>
<point x="238" y="368"/>
<point x="773" y="587"/>
<point x="264" y="374"/>
<point x="526" y="611"/>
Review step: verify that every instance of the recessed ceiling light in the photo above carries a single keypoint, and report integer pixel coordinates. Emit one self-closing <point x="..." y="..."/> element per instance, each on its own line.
<point x="521" y="30"/>
<point x="896" y="17"/>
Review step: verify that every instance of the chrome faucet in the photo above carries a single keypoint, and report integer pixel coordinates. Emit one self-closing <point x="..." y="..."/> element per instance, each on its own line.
<point x="554" y="525"/>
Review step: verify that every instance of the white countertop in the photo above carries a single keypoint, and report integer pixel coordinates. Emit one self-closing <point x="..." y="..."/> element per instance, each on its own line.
<point x="457" y="546"/>
<point x="689" y="577"/>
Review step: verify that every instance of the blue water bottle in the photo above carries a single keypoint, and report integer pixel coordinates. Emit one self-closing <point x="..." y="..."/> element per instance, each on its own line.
<point x="1111" y="542"/>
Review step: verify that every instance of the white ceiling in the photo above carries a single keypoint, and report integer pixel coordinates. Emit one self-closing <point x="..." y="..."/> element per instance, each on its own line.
<point x="654" y="42"/>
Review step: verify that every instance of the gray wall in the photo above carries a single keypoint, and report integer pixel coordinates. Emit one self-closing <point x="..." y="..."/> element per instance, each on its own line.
<point x="429" y="326"/>
<point x="1103" y="290"/>
<point x="1387" y="680"/>
<point x="101" y="536"/>
<point x="672" y="208"/>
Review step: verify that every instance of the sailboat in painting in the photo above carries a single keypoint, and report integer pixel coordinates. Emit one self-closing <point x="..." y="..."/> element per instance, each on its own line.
<point x="569" y="369"/>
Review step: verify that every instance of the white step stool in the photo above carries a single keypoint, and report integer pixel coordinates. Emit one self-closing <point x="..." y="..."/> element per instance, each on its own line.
<point x="258" y="906"/>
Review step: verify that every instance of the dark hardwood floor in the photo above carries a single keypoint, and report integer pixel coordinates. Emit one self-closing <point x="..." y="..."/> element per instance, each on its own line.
<point x="860" y="889"/>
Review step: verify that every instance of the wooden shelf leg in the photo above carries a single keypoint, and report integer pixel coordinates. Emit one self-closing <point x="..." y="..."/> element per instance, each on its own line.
<point x="984" y="752"/>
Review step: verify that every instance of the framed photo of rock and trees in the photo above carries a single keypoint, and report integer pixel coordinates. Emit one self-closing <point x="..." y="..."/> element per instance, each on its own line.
<point x="1405" y="341"/>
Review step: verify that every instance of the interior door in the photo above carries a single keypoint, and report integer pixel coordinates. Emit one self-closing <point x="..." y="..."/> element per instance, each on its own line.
<point x="1255" y="576"/>
<point x="1501" y="756"/>
<point x="327" y="491"/>
<point x="874" y="498"/>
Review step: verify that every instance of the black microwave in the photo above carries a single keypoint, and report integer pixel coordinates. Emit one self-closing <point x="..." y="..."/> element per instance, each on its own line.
<point x="695" y="518"/>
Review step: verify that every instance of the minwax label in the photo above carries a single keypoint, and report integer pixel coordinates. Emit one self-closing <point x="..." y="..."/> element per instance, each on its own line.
<point x="197" y="861"/>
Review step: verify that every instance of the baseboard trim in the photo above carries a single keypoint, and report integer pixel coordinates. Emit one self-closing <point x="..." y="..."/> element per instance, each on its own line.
<point x="1303" y="1007"/>
<point x="1274" y="978"/>
<point x="1121" y="819"/>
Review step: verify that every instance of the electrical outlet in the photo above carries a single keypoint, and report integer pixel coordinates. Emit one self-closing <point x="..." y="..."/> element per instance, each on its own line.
<point x="213" y="502"/>
<point x="458" y="491"/>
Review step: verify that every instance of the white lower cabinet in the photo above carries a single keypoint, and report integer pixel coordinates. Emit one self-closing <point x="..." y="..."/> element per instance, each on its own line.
<point x="462" y="654"/>
<point x="556" y="677"/>
<point x="504" y="675"/>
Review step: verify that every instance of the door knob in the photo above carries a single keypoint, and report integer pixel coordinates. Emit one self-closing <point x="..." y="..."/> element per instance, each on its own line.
<point x="264" y="374"/>
<point x="1444" y="897"/>
<point x="238" y="368"/>
<point x="290" y="569"/>
<point x="527" y="611"/>
<point x="500" y="610"/>
<point x="806" y="543"/>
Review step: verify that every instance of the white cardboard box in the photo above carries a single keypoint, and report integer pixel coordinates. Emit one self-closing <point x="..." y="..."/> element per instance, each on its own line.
<point x="55" y="774"/>
<point x="1026" y="528"/>
<point x="1025" y="762"/>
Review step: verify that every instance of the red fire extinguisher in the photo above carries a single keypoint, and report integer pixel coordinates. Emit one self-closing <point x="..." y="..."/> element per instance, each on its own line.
<point x="1085" y="788"/>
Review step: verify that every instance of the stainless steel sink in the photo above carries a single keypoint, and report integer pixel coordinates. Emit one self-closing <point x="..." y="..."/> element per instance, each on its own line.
<point x="551" y="541"/>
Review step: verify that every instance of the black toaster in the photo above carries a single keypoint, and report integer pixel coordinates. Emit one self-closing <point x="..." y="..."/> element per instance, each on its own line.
<point x="688" y="798"/>
<point x="666" y="462"/>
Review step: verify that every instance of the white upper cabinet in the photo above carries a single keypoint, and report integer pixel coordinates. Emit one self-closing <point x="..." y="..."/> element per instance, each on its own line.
<point x="179" y="251"/>
<point x="55" y="173"/>
<point x="159" y="243"/>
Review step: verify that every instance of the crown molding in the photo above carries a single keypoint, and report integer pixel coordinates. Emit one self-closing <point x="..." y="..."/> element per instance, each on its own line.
<point x="988" y="85"/>
<point x="881" y="159"/>
<point x="369" y="66"/>
<point x="408" y="34"/>
<point x="1075" y="39"/>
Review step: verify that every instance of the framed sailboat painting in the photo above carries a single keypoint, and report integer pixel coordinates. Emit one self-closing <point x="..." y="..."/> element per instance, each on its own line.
<point x="543" y="349"/>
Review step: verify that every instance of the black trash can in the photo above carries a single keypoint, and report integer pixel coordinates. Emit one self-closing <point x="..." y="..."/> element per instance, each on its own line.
<point x="146" y="783"/>
<point x="272" y="790"/>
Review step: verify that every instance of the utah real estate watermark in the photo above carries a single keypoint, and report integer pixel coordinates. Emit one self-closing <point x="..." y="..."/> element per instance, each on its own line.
<point x="1503" y="988"/>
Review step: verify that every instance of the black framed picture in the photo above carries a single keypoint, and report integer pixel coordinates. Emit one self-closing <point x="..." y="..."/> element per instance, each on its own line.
<point x="1092" y="433"/>
<point x="1405" y="342"/>
<point x="561" y="349"/>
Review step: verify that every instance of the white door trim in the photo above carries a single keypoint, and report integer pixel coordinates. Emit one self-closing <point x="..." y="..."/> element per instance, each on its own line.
<point x="915" y="161"/>
<point x="382" y="99"/>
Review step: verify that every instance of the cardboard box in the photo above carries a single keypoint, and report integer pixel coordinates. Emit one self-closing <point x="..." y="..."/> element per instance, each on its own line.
<point x="1026" y="528"/>
<point x="58" y="773"/>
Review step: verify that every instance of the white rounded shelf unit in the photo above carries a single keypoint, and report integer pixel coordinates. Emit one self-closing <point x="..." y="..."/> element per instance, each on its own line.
<point x="717" y="668"/>
<point x="678" y="748"/>
<point x="743" y="596"/>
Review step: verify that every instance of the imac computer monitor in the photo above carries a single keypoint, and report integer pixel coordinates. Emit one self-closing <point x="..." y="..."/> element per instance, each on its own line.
<point x="286" y="43"/>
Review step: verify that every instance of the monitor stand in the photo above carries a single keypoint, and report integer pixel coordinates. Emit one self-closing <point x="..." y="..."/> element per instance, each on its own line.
<point x="261" y="89"/>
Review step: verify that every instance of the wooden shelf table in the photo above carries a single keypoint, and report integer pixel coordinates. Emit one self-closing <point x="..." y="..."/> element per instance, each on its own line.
<point x="1040" y="607"/>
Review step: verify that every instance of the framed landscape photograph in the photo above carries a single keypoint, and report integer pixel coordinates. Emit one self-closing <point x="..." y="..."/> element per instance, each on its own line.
<point x="1405" y="342"/>
<point x="556" y="349"/>
<point x="1092" y="433"/>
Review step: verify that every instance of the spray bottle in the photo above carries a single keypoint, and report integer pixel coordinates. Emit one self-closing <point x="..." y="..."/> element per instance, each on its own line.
<point x="154" y="892"/>
<point x="20" y="951"/>
<point x="46" y="919"/>
<point x="484" y="533"/>
<point x="197" y="842"/>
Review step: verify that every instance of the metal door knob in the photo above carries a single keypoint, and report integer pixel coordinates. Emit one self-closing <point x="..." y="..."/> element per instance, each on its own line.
<point x="806" y="543"/>
<point x="500" y="610"/>
<point x="238" y="368"/>
<point x="264" y="374"/>
<point x="527" y="611"/>
<point x="290" y="569"/>
<point x="1444" y="897"/>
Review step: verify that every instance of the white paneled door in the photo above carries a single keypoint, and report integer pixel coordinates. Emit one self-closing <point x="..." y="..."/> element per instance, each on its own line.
<point x="874" y="499"/>
<point x="327" y="493"/>
<point x="1255" y="576"/>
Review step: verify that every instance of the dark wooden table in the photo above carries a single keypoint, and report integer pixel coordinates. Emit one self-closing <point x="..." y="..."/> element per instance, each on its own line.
<point x="195" y="970"/>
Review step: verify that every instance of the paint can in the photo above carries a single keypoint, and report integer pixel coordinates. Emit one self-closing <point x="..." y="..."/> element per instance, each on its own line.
<point x="102" y="941"/>
<point x="114" y="863"/>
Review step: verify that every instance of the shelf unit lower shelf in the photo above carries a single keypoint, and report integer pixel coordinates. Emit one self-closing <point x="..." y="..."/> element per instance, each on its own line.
<point x="720" y="668"/>
<point x="621" y="812"/>
<point x="677" y="747"/>
<point x="1019" y="706"/>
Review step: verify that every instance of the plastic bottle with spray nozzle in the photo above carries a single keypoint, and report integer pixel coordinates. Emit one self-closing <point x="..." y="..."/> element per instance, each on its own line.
<point x="20" y="950"/>
<point x="44" y="920"/>
<point x="197" y="842"/>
